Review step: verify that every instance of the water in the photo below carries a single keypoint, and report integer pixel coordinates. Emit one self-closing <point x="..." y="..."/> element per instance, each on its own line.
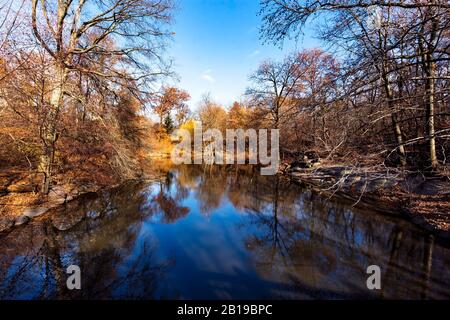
<point x="218" y="234"/>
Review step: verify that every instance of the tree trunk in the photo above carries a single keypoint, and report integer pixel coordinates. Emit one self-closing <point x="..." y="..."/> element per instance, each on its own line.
<point x="430" y="106"/>
<point x="429" y="67"/>
<point x="429" y="88"/>
<point x="49" y="133"/>
<point x="395" y="125"/>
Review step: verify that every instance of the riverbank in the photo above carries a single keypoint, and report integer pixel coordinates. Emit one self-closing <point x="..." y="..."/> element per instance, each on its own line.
<point x="19" y="201"/>
<point x="423" y="200"/>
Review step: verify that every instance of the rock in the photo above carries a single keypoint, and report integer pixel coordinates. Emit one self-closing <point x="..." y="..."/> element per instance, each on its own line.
<point x="332" y="171"/>
<point x="345" y="171"/>
<point x="312" y="155"/>
<point x="21" y="220"/>
<point x="6" y="223"/>
<point x="34" y="212"/>
<point x="301" y="164"/>
<point x="378" y="183"/>
<point x="57" y="195"/>
<point x="353" y="179"/>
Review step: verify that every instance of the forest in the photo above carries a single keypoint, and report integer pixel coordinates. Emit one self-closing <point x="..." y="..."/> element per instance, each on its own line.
<point x="79" y="78"/>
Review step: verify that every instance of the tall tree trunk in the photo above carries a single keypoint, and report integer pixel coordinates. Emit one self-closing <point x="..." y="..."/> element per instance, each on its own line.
<point x="429" y="88"/>
<point x="395" y="124"/>
<point x="390" y="98"/>
<point x="49" y="134"/>
<point x="427" y="48"/>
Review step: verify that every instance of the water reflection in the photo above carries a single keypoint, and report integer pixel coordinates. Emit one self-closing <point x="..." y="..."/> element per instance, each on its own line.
<point x="100" y="234"/>
<point x="220" y="232"/>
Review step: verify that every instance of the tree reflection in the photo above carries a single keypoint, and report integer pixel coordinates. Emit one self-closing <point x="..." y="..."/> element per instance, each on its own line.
<point x="104" y="245"/>
<point x="315" y="246"/>
<point x="167" y="202"/>
<point x="277" y="240"/>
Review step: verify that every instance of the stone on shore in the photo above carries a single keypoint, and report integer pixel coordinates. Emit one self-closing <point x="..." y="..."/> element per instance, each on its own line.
<point x="35" y="212"/>
<point x="21" y="220"/>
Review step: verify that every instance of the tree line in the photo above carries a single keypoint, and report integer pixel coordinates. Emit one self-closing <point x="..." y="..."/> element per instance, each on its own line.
<point x="379" y="94"/>
<point x="385" y="90"/>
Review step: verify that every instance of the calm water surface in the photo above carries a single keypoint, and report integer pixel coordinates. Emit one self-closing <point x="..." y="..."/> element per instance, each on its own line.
<point x="218" y="234"/>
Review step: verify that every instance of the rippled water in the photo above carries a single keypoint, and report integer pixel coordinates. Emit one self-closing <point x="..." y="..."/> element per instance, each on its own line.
<point x="218" y="234"/>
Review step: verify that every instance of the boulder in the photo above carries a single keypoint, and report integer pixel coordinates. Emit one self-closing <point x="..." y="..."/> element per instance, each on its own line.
<point x="34" y="212"/>
<point x="21" y="220"/>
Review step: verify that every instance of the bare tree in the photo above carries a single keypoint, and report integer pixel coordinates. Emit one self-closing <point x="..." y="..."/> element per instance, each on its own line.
<point x="409" y="37"/>
<point x="81" y="35"/>
<point x="275" y="84"/>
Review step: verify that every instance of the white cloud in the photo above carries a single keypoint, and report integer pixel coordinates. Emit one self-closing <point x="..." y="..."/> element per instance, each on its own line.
<point x="206" y="75"/>
<point x="254" y="54"/>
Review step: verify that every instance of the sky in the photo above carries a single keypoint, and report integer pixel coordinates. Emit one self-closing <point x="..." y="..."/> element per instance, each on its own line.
<point x="217" y="46"/>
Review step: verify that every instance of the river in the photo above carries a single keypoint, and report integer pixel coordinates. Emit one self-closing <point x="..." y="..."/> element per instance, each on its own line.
<point x="217" y="233"/>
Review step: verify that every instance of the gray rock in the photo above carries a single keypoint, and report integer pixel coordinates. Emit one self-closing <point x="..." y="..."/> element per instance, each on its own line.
<point x="21" y="220"/>
<point x="34" y="212"/>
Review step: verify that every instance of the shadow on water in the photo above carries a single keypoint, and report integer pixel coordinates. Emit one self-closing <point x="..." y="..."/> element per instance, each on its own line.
<point x="220" y="232"/>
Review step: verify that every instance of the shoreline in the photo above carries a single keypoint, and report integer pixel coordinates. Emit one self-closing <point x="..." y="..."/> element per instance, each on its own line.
<point x="423" y="201"/>
<point x="59" y="197"/>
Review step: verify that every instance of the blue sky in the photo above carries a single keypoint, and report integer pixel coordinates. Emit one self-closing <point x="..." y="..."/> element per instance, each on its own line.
<point x="217" y="45"/>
